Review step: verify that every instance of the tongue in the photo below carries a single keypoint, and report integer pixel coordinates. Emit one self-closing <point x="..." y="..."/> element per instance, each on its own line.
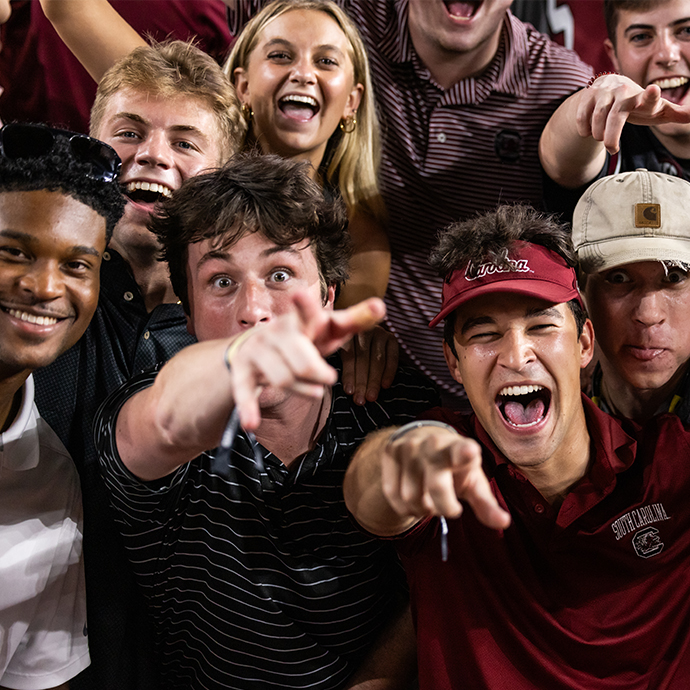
<point x="461" y="9"/>
<point x="517" y="413"/>
<point x="674" y="95"/>
<point x="297" y="112"/>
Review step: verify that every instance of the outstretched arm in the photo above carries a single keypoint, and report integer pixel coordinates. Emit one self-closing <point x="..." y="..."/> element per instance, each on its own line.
<point x="5" y="11"/>
<point x="574" y="142"/>
<point x="187" y="408"/>
<point x="92" y="29"/>
<point x="392" y="484"/>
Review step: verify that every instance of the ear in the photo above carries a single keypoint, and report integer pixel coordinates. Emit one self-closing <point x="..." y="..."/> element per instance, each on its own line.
<point x="611" y="52"/>
<point x="239" y="78"/>
<point x="586" y="344"/>
<point x="353" y="100"/>
<point x="190" y="325"/>
<point x="329" y="302"/>
<point x="452" y="362"/>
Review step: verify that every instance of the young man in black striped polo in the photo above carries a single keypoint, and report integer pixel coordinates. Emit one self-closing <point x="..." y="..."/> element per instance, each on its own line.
<point x="254" y="573"/>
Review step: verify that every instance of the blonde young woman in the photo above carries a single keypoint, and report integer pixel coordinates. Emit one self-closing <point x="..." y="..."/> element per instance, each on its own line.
<point x="302" y="75"/>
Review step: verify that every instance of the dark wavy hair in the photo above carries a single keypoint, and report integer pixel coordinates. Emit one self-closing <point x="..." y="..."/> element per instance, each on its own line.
<point x="613" y="7"/>
<point x="487" y="236"/>
<point x="253" y="193"/>
<point x="60" y="171"/>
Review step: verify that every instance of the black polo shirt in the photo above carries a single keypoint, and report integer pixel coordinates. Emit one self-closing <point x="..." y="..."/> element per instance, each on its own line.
<point x="122" y="340"/>
<point x="257" y="577"/>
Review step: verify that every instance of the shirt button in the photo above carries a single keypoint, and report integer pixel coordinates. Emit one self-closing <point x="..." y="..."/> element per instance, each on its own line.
<point x="147" y="335"/>
<point x="441" y="138"/>
<point x="106" y="256"/>
<point x="128" y="296"/>
<point x="538" y="508"/>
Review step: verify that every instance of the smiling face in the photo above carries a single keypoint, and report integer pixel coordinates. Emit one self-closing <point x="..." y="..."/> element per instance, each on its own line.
<point x="653" y="47"/>
<point x="50" y="254"/>
<point x="299" y="83"/>
<point x="162" y="142"/>
<point x="519" y="359"/>
<point x="446" y="27"/>
<point x="649" y="347"/>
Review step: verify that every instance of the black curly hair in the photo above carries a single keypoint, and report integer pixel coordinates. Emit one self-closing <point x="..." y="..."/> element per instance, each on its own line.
<point x="253" y="193"/>
<point x="61" y="171"/>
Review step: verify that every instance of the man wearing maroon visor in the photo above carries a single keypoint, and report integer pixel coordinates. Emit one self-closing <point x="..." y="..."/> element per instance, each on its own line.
<point x="570" y="569"/>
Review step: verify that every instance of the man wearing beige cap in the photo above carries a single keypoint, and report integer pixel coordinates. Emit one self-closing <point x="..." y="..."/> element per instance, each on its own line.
<point x="631" y="233"/>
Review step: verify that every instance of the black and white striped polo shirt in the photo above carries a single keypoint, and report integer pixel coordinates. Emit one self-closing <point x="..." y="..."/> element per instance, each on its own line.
<point x="259" y="579"/>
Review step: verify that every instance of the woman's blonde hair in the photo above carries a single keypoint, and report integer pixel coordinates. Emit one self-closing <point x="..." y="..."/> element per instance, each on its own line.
<point x="355" y="157"/>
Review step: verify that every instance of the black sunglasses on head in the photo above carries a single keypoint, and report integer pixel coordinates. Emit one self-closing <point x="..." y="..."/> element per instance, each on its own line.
<point x="19" y="140"/>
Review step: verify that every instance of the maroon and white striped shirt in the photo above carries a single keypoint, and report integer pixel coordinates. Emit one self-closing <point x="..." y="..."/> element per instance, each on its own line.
<point x="449" y="154"/>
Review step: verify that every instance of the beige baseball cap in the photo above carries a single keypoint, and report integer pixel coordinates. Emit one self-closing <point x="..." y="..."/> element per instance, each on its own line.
<point x="631" y="217"/>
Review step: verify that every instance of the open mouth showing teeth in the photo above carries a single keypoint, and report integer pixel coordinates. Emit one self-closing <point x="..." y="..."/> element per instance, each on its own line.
<point x="33" y="318"/>
<point x="523" y="406"/>
<point x="147" y="192"/>
<point x="300" y="107"/>
<point x="673" y="88"/>
<point x="462" y="10"/>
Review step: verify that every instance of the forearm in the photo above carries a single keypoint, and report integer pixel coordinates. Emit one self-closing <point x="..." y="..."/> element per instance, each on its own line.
<point x="371" y="261"/>
<point x="369" y="272"/>
<point x="568" y="158"/>
<point x="183" y="414"/>
<point x="92" y="29"/>
<point x="5" y="10"/>
<point x="392" y="663"/>
<point x="363" y="489"/>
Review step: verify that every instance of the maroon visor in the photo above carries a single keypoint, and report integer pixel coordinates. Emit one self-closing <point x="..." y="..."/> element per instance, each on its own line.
<point x="534" y="271"/>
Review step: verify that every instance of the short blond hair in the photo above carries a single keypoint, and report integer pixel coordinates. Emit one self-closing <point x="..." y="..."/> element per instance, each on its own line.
<point x="355" y="158"/>
<point x="175" y="68"/>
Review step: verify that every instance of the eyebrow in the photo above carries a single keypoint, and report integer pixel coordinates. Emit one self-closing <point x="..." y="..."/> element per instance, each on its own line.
<point x="226" y="255"/>
<point x="285" y="42"/>
<point x="143" y="121"/>
<point x="550" y="312"/>
<point x="31" y="239"/>
<point x="642" y="27"/>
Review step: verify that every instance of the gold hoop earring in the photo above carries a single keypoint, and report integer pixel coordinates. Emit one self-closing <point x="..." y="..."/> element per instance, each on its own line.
<point x="247" y="112"/>
<point x="349" y="124"/>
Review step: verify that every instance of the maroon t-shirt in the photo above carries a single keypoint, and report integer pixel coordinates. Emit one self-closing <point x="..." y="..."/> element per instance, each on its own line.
<point x="44" y="82"/>
<point x="593" y="596"/>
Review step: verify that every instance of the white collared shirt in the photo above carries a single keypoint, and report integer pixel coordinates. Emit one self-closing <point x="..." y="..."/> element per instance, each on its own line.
<point x="43" y="639"/>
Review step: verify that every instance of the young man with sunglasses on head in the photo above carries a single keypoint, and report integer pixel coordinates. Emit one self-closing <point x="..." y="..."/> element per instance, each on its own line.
<point x="258" y="576"/>
<point x="59" y="202"/>
<point x="569" y="569"/>
<point x="170" y="114"/>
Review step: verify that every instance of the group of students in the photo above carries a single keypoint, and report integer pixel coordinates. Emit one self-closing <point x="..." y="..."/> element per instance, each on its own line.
<point x="242" y="567"/>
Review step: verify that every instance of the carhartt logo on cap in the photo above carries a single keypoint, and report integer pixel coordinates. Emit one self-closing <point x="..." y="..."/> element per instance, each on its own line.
<point x="647" y="216"/>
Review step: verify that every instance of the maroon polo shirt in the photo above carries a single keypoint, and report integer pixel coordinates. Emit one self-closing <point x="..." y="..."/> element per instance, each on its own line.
<point x="593" y="596"/>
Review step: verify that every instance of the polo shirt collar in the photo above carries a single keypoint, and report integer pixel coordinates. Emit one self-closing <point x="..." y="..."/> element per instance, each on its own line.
<point x="507" y="73"/>
<point x="614" y="448"/>
<point x="19" y="446"/>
